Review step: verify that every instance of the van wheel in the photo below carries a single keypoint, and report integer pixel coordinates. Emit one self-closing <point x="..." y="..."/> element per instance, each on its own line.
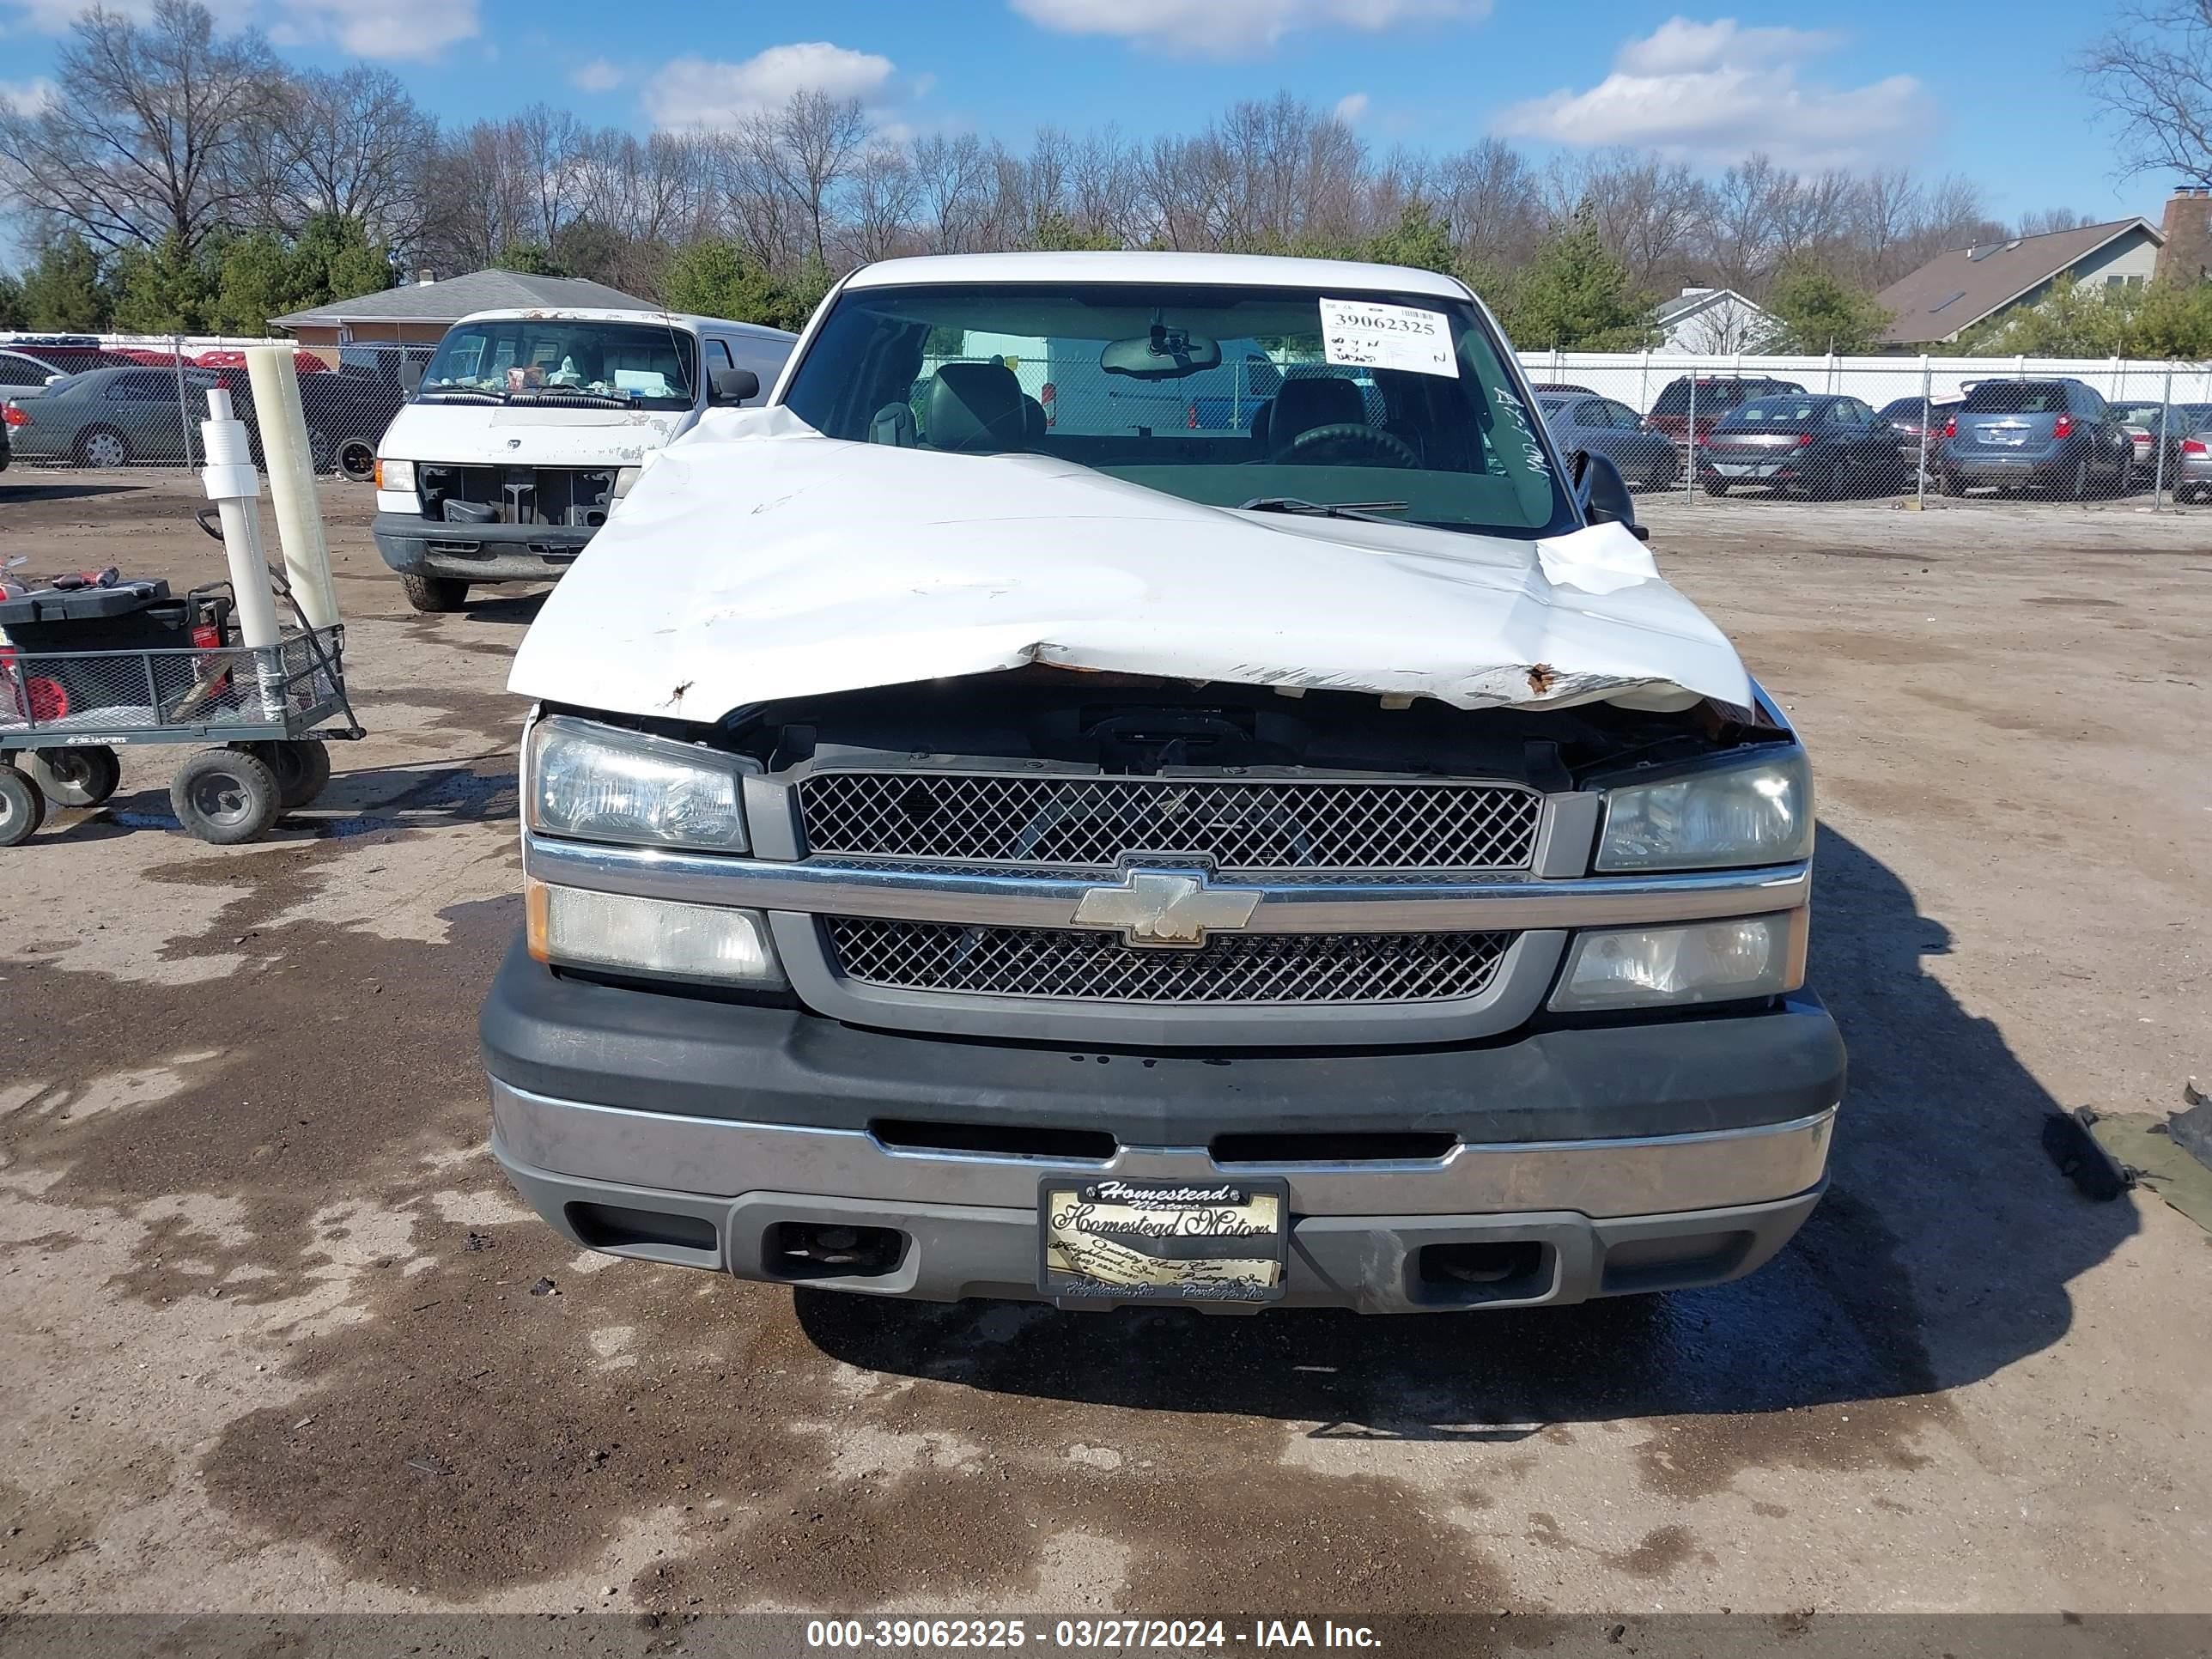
<point x="76" y="777"/>
<point x="357" y="459"/>
<point x="435" y="594"/>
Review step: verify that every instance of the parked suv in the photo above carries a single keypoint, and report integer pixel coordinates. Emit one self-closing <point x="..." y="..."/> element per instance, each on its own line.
<point x="1716" y="396"/>
<point x="1320" y="862"/>
<point x="2055" y="434"/>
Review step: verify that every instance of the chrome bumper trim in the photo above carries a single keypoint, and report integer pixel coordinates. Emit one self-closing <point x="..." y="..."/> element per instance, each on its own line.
<point x="1302" y="906"/>
<point x="723" y="1159"/>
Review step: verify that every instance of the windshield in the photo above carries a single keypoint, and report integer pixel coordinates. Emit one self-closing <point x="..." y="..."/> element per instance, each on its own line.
<point x="551" y="360"/>
<point x="1395" y="403"/>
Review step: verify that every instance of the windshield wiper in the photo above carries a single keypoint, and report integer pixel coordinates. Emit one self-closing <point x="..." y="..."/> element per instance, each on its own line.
<point x="458" y="393"/>
<point x="1367" y="510"/>
<point x="564" y="394"/>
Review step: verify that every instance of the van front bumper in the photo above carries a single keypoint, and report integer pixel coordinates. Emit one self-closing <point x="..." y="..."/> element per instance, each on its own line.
<point x="1595" y="1161"/>
<point x="414" y="545"/>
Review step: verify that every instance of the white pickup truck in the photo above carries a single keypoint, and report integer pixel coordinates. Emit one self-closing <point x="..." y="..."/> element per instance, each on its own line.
<point x="528" y="425"/>
<point x="1315" y="860"/>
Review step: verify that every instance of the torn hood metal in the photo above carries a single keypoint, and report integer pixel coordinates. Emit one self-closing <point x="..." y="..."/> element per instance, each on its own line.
<point x="756" y="559"/>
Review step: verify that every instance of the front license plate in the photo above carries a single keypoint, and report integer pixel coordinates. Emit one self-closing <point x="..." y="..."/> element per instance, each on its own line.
<point x="1162" y="1240"/>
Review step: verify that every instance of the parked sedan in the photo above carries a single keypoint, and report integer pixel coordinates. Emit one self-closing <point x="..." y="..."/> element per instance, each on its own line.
<point x="2193" y="479"/>
<point x="1647" y="460"/>
<point x="2144" y="422"/>
<point x="109" y="417"/>
<point x="23" y="376"/>
<point x="1820" y="442"/>
<point x="1918" y="425"/>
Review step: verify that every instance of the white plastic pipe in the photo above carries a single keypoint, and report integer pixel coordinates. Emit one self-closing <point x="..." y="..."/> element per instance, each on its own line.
<point x="234" y="487"/>
<point x="276" y="380"/>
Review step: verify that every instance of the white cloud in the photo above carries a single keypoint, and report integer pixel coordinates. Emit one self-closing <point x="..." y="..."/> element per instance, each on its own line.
<point x="697" y="92"/>
<point x="597" y="75"/>
<point x="1716" y="92"/>
<point x="1350" y="106"/>
<point x="416" y="31"/>
<point x="26" y="97"/>
<point x="1227" y="28"/>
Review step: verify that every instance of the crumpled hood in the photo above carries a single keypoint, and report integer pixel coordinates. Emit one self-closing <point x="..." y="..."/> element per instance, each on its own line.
<point x="756" y="559"/>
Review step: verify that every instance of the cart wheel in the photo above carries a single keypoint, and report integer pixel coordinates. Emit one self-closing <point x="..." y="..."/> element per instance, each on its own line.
<point x="23" y="808"/>
<point x="226" y="796"/>
<point x="76" y="777"/>
<point x="434" y="594"/>
<point x="302" y="765"/>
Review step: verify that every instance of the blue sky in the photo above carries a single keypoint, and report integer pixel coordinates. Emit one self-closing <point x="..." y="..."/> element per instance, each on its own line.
<point x="1982" y="91"/>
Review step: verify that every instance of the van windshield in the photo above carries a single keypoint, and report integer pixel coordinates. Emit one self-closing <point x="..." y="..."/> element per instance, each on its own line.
<point x="1396" y="405"/>
<point x="553" y="361"/>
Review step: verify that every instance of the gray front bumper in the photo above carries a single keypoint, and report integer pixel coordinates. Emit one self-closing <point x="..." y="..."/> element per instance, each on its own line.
<point x="414" y="545"/>
<point x="1603" y="1217"/>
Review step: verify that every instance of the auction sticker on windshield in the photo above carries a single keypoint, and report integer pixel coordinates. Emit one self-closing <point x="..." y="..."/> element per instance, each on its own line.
<point x="1362" y="334"/>
<point x="1218" y="1240"/>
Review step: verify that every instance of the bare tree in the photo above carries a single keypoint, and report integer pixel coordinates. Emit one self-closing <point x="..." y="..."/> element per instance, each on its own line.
<point x="1495" y="205"/>
<point x="549" y="147"/>
<point x="2153" y="77"/>
<point x="2044" y="221"/>
<point x="804" y="151"/>
<point x="951" y="177"/>
<point x="885" y="193"/>
<point x="148" y="133"/>
<point x="352" y="144"/>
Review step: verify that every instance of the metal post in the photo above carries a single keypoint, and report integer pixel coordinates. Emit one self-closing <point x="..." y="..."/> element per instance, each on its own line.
<point x="1927" y="420"/>
<point x="2165" y="418"/>
<point x="183" y="408"/>
<point x="1690" y="454"/>
<point x="1644" y="385"/>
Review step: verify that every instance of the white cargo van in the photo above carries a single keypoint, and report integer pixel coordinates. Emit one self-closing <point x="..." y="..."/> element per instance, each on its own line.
<point x="528" y="425"/>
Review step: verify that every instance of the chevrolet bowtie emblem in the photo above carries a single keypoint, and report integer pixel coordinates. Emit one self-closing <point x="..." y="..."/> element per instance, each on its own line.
<point x="1158" y="906"/>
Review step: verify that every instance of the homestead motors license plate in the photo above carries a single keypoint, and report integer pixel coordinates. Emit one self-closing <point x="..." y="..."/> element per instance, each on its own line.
<point x="1223" y="1241"/>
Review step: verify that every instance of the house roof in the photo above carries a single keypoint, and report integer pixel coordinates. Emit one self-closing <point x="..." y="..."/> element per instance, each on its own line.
<point x="1958" y="288"/>
<point x="454" y="298"/>
<point x="1690" y="303"/>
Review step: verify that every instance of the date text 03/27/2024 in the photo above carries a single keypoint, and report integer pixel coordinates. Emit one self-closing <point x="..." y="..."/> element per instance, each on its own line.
<point x="1104" y="1635"/>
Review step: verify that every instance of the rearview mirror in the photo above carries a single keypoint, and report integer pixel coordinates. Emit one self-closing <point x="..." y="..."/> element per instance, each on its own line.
<point x="1166" y="354"/>
<point x="732" y="386"/>
<point x="1602" y="493"/>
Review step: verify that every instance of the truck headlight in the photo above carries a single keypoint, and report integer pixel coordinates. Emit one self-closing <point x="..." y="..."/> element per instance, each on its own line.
<point x="574" y="926"/>
<point x="395" y="475"/>
<point x="1701" y="961"/>
<point x="1758" y="811"/>
<point x="602" y="783"/>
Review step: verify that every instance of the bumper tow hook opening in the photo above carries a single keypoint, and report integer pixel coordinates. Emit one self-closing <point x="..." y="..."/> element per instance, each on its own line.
<point x="1482" y="1269"/>
<point x="806" y="1249"/>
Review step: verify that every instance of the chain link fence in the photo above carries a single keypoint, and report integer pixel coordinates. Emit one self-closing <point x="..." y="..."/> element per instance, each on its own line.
<point x="1883" y="431"/>
<point x="78" y="402"/>
<point x="1720" y="430"/>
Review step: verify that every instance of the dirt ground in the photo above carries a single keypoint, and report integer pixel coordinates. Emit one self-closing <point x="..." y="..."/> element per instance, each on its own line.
<point x="272" y="1344"/>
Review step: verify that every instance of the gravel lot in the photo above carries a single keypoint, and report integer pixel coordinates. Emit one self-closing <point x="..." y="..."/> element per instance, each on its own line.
<point x="273" y="1345"/>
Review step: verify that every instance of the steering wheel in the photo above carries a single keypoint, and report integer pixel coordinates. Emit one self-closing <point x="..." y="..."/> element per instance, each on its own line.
<point x="1353" y="441"/>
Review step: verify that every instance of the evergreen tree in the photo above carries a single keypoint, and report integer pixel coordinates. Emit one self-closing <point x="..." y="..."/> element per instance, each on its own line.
<point x="1575" y="296"/>
<point x="1814" y="312"/>
<point x="63" y="293"/>
<point x="164" y="289"/>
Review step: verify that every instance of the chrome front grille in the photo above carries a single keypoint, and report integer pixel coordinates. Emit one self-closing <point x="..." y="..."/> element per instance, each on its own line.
<point x="1094" y="823"/>
<point x="1234" y="968"/>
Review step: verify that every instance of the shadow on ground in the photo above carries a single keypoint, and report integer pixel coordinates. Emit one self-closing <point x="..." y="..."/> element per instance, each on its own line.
<point x="23" y="494"/>
<point x="1942" y="1253"/>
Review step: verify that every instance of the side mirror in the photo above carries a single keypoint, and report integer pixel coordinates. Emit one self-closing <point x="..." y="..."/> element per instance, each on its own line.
<point x="411" y="375"/>
<point x="731" y="386"/>
<point x="1602" y="493"/>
